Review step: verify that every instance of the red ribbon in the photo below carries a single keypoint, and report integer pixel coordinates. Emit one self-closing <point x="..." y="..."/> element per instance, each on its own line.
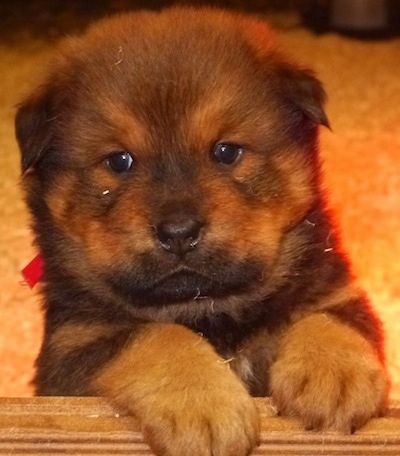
<point x="33" y="272"/>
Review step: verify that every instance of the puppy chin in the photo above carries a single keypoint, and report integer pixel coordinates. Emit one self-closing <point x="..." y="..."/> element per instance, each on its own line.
<point x="184" y="283"/>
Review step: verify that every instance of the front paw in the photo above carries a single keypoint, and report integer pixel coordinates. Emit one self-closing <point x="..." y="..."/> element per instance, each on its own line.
<point x="187" y="400"/>
<point x="327" y="375"/>
<point x="214" y="420"/>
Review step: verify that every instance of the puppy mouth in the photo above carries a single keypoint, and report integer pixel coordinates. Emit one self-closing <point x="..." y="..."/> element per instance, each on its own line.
<point x="185" y="283"/>
<point x="182" y="284"/>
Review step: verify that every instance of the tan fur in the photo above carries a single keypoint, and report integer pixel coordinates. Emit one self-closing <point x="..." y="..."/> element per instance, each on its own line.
<point x="77" y="335"/>
<point x="300" y="193"/>
<point x="338" y="296"/>
<point x="327" y="394"/>
<point x="153" y="378"/>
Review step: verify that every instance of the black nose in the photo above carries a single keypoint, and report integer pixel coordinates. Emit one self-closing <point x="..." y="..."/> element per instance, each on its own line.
<point x="179" y="234"/>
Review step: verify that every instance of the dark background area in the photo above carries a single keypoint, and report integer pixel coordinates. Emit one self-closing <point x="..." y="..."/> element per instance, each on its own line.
<point x="54" y="18"/>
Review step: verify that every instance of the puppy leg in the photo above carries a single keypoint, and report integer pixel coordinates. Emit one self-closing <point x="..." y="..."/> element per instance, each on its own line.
<point x="327" y="374"/>
<point x="186" y="398"/>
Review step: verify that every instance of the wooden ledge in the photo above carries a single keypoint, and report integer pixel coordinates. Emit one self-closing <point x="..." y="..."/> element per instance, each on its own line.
<point x="89" y="426"/>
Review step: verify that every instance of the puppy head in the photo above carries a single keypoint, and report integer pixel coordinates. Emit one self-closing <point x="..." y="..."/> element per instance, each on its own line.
<point x="167" y="155"/>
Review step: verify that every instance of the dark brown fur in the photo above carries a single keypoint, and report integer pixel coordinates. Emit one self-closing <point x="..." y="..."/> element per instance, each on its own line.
<point x="265" y="291"/>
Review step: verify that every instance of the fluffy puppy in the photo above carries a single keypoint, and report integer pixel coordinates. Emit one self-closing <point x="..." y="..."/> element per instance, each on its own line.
<point x="170" y="164"/>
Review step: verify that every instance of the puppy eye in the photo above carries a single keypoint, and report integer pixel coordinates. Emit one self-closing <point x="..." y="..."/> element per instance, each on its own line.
<point x="120" y="162"/>
<point x="227" y="153"/>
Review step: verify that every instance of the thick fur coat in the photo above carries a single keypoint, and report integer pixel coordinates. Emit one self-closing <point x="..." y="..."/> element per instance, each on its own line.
<point x="170" y="163"/>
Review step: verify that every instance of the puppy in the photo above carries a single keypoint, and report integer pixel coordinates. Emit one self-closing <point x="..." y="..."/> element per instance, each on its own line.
<point x="170" y="164"/>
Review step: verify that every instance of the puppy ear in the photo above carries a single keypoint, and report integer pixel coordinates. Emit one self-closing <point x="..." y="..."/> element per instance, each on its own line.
<point x="34" y="126"/>
<point x="306" y="92"/>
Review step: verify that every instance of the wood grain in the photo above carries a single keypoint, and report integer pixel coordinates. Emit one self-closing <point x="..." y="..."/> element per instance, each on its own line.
<point x="89" y="426"/>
